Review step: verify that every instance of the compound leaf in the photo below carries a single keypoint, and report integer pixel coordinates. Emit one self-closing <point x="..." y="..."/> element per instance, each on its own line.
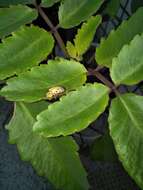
<point x="49" y="3"/>
<point x="15" y="2"/>
<point x="73" y="112"/>
<point x="34" y="84"/>
<point x="126" y="129"/>
<point x="52" y="158"/>
<point x="26" y="48"/>
<point x="73" y="12"/>
<point x="13" y="17"/>
<point x="110" y="47"/>
<point x="127" y="68"/>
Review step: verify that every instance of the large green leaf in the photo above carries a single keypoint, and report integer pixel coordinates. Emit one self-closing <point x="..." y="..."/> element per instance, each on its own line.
<point x="25" y="48"/>
<point x="73" y="112"/>
<point x="15" y="2"/>
<point x="49" y="3"/>
<point x="127" y="68"/>
<point x="110" y="47"/>
<point x="33" y="85"/>
<point x="53" y="158"/>
<point x="84" y="37"/>
<point x="13" y="17"/>
<point x="73" y="12"/>
<point x="126" y="128"/>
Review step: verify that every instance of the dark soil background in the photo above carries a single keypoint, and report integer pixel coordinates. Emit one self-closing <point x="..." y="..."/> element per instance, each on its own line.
<point x="18" y="175"/>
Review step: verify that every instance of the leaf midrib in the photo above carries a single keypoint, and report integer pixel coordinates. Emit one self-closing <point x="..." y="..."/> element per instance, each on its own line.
<point x="131" y="116"/>
<point x="51" y="147"/>
<point x="62" y="82"/>
<point x="27" y="112"/>
<point x="21" y="51"/>
<point x="135" y="70"/>
<point x="76" y="11"/>
<point x="62" y="162"/>
<point x="83" y="110"/>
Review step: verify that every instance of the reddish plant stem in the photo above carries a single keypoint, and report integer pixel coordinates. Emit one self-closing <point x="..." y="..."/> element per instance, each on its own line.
<point x="53" y="29"/>
<point x="96" y="73"/>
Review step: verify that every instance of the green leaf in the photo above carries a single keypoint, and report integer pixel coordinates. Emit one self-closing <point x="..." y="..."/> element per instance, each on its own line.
<point x="126" y="129"/>
<point x="127" y="68"/>
<point x="110" y="47"/>
<point x="73" y="112"/>
<point x="73" y="12"/>
<point x="86" y="34"/>
<point x="53" y="158"/>
<point x="103" y="149"/>
<point x="49" y="3"/>
<point x="112" y="7"/>
<point x="15" y="2"/>
<point x="26" y="48"/>
<point x="34" y="84"/>
<point x="13" y="17"/>
<point x="71" y="50"/>
<point x="84" y="37"/>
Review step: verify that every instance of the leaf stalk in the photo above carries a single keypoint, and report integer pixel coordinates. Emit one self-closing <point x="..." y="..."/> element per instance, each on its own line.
<point x="53" y="29"/>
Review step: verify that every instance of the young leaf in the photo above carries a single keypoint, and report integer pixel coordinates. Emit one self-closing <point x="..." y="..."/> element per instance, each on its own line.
<point x="13" y="17"/>
<point x="49" y="3"/>
<point x="127" y="68"/>
<point x="73" y="12"/>
<point x="86" y="34"/>
<point x="73" y="112"/>
<point x="33" y="85"/>
<point x="72" y="50"/>
<point x="110" y="47"/>
<point x="52" y="158"/>
<point x="126" y="129"/>
<point x="15" y="2"/>
<point x="84" y="37"/>
<point x="24" y="49"/>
